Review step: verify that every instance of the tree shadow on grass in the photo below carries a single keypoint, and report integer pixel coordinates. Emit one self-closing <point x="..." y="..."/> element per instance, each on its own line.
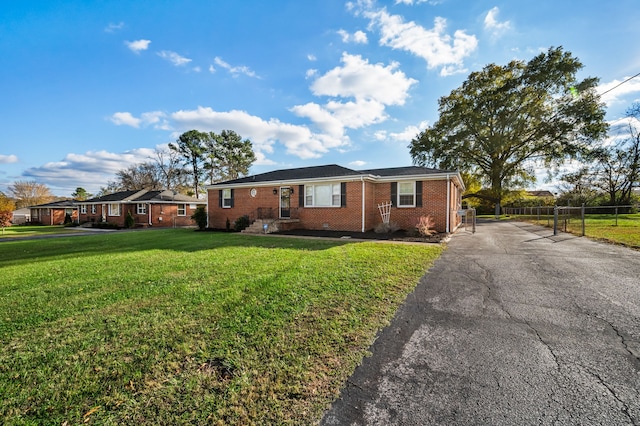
<point x="16" y="251"/>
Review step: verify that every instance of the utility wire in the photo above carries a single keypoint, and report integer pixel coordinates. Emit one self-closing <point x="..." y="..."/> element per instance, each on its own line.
<point x="619" y="84"/>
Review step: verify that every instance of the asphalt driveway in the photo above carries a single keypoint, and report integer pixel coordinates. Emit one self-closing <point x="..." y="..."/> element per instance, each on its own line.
<point x="511" y="326"/>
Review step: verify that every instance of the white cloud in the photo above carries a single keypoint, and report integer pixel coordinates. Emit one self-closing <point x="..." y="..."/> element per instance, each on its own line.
<point x="409" y="132"/>
<point x="380" y="135"/>
<point x="435" y="46"/>
<point x="197" y="69"/>
<point x="126" y="119"/>
<point x="90" y="170"/>
<point x="405" y="135"/>
<point x="359" y="37"/>
<point x="212" y="69"/>
<point x="412" y="2"/>
<point x="8" y="159"/>
<point x="174" y="58"/>
<point x="312" y="58"/>
<point x="361" y="80"/>
<point x="492" y="25"/>
<point x="372" y="86"/>
<point x="111" y="28"/>
<point x="311" y="73"/>
<point x="297" y="139"/>
<point x="615" y="94"/>
<point x="358" y="163"/>
<point x="138" y="45"/>
<point x="235" y="70"/>
<point x="157" y="118"/>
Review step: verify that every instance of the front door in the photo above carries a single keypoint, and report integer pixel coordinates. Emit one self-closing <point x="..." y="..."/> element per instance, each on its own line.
<point x="285" y="203"/>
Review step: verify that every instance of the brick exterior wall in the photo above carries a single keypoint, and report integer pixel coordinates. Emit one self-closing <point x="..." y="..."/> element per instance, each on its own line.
<point x="348" y="218"/>
<point x="51" y="216"/>
<point x="162" y="215"/>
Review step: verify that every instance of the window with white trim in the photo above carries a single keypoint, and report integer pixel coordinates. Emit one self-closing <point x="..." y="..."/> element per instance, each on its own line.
<point x="83" y="209"/>
<point x="182" y="209"/>
<point x="93" y="209"/>
<point x="323" y="195"/>
<point x="227" y="201"/>
<point x="114" y="209"/>
<point x="141" y="208"/>
<point x="406" y="194"/>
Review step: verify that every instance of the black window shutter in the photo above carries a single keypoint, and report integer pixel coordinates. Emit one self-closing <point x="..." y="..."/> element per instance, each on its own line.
<point x="343" y="194"/>
<point x="220" y="198"/>
<point x="301" y="196"/>
<point x="394" y="194"/>
<point x="231" y="198"/>
<point x="419" y="193"/>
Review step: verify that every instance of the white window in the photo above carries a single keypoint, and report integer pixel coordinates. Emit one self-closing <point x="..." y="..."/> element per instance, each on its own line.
<point x="114" y="209"/>
<point x="326" y="195"/>
<point x="93" y="209"/>
<point x="182" y="209"/>
<point x="141" y="208"/>
<point x="83" y="209"/>
<point x="406" y="194"/>
<point x="226" y="198"/>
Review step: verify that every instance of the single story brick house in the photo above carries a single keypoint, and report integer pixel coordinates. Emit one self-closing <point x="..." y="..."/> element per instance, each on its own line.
<point x="54" y="213"/>
<point x="338" y="198"/>
<point x="148" y="208"/>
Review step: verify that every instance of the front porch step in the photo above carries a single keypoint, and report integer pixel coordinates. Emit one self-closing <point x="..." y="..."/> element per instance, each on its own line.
<point x="272" y="225"/>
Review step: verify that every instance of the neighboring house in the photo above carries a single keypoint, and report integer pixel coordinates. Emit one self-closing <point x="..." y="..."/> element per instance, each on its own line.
<point x="148" y="208"/>
<point x="21" y="216"/>
<point x="54" y="213"/>
<point x="337" y="198"/>
<point x="541" y="194"/>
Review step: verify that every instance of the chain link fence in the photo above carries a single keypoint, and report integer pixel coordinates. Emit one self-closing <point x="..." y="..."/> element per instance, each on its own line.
<point x="575" y="220"/>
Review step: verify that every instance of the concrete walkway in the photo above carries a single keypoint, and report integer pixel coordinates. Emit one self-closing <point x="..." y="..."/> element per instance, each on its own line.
<point x="511" y="326"/>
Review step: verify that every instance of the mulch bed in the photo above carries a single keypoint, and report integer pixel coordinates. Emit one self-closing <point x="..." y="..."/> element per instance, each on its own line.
<point x="370" y="235"/>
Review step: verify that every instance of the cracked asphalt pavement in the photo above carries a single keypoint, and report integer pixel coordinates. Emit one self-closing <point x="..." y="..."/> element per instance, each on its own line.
<point x="511" y="326"/>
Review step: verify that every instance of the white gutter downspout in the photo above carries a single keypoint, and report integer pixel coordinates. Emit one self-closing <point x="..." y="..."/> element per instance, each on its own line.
<point x="363" y="203"/>
<point x="150" y="220"/>
<point x="448" y="203"/>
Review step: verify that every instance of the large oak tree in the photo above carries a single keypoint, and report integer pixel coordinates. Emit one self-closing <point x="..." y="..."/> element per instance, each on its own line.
<point x="503" y="120"/>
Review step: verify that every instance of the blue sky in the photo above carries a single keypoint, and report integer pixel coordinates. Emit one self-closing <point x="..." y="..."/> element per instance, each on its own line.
<point x="89" y="88"/>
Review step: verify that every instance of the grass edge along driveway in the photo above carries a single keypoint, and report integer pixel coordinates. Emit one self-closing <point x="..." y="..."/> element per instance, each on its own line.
<point x="175" y="326"/>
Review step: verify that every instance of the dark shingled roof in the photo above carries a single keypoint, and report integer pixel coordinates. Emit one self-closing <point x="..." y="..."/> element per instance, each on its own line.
<point x="143" y="195"/>
<point x="116" y="196"/>
<point x="166" y="195"/>
<point x="329" y="171"/>
<point x="540" y="193"/>
<point x="61" y="204"/>
<point x="404" y="171"/>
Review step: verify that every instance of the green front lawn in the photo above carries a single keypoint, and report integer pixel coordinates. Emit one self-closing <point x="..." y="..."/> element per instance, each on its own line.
<point x="33" y="230"/>
<point x="180" y="327"/>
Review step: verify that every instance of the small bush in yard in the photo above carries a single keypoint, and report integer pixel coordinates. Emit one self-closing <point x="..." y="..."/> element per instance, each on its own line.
<point x="241" y="223"/>
<point x="200" y="217"/>
<point x="129" y="221"/>
<point x="386" y="228"/>
<point x="426" y="226"/>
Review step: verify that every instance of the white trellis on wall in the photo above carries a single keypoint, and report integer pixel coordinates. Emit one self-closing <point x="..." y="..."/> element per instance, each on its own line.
<point x="385" y="211"/>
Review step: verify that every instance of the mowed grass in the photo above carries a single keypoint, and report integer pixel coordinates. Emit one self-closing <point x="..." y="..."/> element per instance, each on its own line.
<point x="31" y="230"/>
<point x="602" y="227"/>
<point x="180" y="327"/>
